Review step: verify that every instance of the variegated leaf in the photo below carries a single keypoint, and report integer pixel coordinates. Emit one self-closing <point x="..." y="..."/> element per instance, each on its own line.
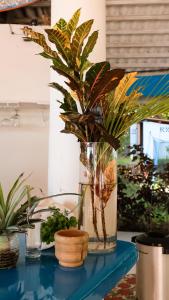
<point x="107" y="83"/>
<point x="71" y="26"/>
<point x="87" y="64"/>
<point x="59" y="87"/>
<point x="79" y="36"/>
<point x="124" y="85"/>
<point x="89" y="46"/>
<point x="61" y="41"/>
<point x="94" y="75"/>
<point x="39" y="39"/>
<point x="61" y="24"/>
<point x="62" y="69"/>
<point x="73" y="129"/>
<point x="69" y="103"/>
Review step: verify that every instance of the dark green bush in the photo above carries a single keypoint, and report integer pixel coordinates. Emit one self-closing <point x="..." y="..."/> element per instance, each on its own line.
<point x="143" y="194"/>
<point x="55" y="222"/>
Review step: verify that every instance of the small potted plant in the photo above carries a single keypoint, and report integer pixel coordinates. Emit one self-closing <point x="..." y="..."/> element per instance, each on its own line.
<point x="71" y="245"/>
<point x="55" y="222"/>
<point x="17" y="212"/>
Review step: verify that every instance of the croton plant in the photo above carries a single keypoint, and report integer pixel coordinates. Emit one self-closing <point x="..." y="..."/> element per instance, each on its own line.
<point x="96" y="105"/>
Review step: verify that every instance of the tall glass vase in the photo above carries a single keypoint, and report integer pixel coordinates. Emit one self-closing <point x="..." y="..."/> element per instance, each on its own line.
<point x="98" y="201"/>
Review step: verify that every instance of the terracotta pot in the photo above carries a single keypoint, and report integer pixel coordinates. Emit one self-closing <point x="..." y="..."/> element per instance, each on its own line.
<point x="71" y="247"/>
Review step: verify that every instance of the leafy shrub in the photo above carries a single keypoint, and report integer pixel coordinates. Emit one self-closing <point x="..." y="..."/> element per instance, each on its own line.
<point x="143" y="194"/>
<point x="55" y="222"/>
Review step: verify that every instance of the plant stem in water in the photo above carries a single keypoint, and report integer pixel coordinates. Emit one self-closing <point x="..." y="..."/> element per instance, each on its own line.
<point x="103" y="223"/>
<point x="80" y="218"/>
<point x="94" y="210"/>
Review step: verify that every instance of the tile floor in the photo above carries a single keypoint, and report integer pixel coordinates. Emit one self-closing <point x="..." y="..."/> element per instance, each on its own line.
<point x="125" y="290"/>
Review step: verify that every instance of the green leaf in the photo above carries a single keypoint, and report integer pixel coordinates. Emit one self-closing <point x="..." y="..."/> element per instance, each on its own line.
<point x="2" y="202"/>
<point x="61" y="24"/>
<point x="61" y="41"/>
<point x="69" y="103"/>
<point x="89" y="46"/>
<point x="77" y="41"/>
<point x="10" y="215"/>
<point x="86" y="65"/>
<point x="55" y="222"/>
<point x="63" y="69"/>
<point x="15" y="188"/>
<point x="71" y="26"/>
<point x="59" y="87"/>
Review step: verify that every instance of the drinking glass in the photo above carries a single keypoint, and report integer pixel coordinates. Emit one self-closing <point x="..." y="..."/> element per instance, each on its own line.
<point x="33" y="242"/>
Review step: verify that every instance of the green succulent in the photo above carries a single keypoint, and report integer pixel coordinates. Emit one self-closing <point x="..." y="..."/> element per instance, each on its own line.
<point x="17" y="209"/>
<point x="55" y="222"/>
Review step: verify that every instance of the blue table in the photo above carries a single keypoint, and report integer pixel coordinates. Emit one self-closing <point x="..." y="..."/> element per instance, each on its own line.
<point x="46" y="280"/>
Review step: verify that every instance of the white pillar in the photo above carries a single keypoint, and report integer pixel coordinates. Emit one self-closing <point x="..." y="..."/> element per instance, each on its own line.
<point x="64" y="148"/>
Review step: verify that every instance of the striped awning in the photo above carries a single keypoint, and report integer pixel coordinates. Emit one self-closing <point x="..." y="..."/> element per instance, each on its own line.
<point x="152" y="86"/>
<point x="14" y="4"/>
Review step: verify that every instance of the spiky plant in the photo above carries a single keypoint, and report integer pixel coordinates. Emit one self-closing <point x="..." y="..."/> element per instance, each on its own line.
<point x="18" y="208"/>
<point x="98" y="103"/>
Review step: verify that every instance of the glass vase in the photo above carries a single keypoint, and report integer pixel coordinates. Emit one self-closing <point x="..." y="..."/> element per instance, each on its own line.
<point x="98" y="202"/>
<point x="9" y="250"/>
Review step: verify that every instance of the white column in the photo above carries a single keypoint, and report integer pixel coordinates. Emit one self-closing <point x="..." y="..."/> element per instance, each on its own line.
<point x="64" y="148"/>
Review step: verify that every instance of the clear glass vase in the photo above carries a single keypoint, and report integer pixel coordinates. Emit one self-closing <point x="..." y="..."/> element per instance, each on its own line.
<point x="98" y="202"/>
<point x="9" y="250"/>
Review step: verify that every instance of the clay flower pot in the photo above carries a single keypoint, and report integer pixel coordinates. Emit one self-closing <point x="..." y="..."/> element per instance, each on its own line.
<point x="71" y="247"/>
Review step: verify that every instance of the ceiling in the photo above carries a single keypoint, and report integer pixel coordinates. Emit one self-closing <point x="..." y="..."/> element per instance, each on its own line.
<point x="38" y="13"/>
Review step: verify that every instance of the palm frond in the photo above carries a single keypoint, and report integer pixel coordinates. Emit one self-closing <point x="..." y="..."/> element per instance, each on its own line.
<point x="125" y="109"/>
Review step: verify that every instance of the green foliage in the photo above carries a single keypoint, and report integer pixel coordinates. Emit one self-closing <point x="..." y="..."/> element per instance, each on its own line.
<point x="14" y="208"/>
<point x="97" y="105"/>
<point x="18" y="208"/>
<point x="55" y="222"/>
<point x="143" y="194"/>
<point x="87" y="83"/>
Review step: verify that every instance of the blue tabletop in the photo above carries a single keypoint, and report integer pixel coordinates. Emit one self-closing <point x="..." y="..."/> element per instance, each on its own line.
<point x="46" y="280"/>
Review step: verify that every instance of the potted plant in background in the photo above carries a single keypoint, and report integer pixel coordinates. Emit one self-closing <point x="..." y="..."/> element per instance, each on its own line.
<point x="17" y="212"/>
<point x="98" y="108"/>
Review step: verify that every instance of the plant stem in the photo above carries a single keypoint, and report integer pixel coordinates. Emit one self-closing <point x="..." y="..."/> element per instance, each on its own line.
<point x="80" y="217"/>
<point x="103" y="223"/>
<point x="94" y="211"/>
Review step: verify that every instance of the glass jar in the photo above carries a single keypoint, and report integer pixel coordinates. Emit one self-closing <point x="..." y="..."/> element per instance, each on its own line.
<point x="9" y="250"/>
<point x="98" y="202"/>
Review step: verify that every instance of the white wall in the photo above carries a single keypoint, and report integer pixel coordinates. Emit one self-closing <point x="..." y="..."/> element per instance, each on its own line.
<point x="24" y="149"/>
<point x="24" y="76"/>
